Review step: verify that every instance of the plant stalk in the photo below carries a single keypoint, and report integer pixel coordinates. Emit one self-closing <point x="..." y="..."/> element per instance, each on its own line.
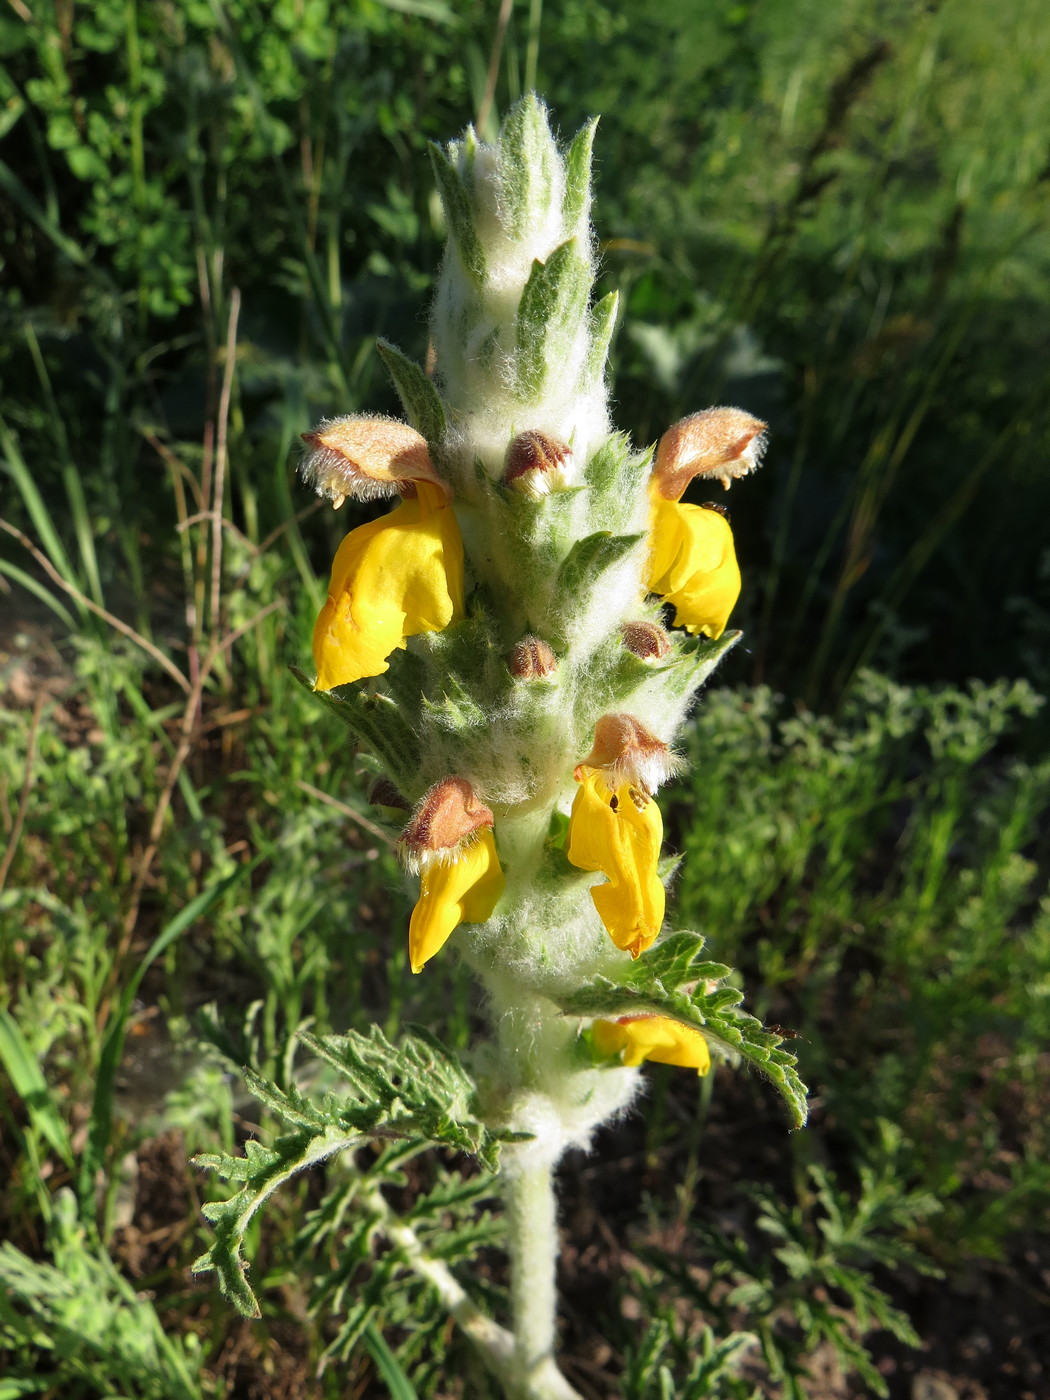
<point x="532" y="1239"/>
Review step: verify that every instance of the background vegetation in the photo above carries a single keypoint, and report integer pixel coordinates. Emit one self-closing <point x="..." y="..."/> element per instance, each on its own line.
<point x="831" y="214"/>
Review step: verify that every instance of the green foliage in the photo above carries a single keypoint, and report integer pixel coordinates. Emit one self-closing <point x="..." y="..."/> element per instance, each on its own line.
<point x="677" y="1362"/>
<point x="812" y="225"/>
<point x="552" y="305"/>
<point x="364" y="1280"/>
<point x="87" y="1325"/>
<point x="813" y="1287"/>
<point x="654" y="985"/>
<point x="883" y="877"/>
<point x="420" y="400"/>
<point x="414" y="1091"/>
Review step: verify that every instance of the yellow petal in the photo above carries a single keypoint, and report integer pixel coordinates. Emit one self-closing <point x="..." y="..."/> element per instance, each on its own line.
<point x="393" y="578"/>
<point x="619" y="833"/>
<point x="692" y="564"/>
<point x="655" y="1038"/>
<point x="452" y="892"/>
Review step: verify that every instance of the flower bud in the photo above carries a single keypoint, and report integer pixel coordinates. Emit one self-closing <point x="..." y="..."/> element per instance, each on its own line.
<point x="721" y="443"/>
<point x="646" y="640"/>
<point x="366" y="457"/>
<point x="531" y="660"/>
<point x="629" y="754"/>
<point x="443" y="820"/>
<point x="537" y="465"/>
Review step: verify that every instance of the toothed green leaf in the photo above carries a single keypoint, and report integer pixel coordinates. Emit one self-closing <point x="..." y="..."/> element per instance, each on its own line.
<point x="262" y="1172"/>
<point x="696" y="658"/>
<point x="654" y="986"/>
<point x="414" y="1091"/>
<point x="376" y="721"/>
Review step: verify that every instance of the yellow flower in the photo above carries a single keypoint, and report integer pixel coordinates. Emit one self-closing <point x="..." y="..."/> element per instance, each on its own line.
<point x="463" y="888"/>
<point x="692" y="563"/>
<point x="391" y="579"/>
<point x="618" y="831"/>
<point x="653" y="1038"/>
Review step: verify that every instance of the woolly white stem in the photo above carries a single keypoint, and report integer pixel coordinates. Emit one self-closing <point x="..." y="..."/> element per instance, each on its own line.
<point x="532" y="1229"/>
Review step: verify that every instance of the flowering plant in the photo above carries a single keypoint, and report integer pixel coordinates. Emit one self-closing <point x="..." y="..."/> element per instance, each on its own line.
<point x="497" y="640"/>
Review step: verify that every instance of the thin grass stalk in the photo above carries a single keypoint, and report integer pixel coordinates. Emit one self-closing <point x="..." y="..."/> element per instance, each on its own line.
<point x="532" y="47"/>
<point x="488" y="97"/>
<point x="220" y="458"/>
<point x="84" y="601"/>
<point x="868" y="500"/>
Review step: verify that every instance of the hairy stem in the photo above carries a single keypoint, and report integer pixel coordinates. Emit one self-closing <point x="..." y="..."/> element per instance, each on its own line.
<point x="528" y="1195"/>
<point x="532" y="1234"/>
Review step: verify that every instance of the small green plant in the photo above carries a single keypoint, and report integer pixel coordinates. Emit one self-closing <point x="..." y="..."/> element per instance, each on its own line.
<point x="85" y="1319"/>
<point x="800" y="1278"/>
<point x="490" y="641"/>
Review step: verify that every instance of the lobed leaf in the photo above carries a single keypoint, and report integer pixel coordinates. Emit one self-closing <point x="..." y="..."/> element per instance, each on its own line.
<point x="661" y="983"/>
<point x="414" y="1090"/>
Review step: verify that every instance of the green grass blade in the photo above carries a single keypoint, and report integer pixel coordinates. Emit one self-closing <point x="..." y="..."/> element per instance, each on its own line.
<point x="32" y="585"/>
<point x="387" y="1364"/>
<point x="23" y="1069"/>
<point x="71" y="478"/>
<point x="20" y="196"/>
<point x="101" y="1123"/>
<point x="34" y="504"/>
